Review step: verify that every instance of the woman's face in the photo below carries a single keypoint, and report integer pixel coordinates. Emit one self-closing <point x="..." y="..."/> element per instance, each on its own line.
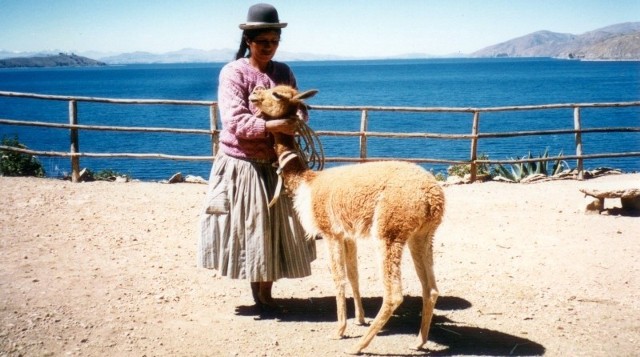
<point x="263" y="47"/>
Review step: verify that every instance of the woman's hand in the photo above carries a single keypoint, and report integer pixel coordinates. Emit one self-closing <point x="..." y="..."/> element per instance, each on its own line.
<point x="285" y="126"/>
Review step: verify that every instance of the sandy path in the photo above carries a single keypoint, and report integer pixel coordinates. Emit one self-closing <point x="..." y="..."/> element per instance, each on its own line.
<point x="106" y="269"/>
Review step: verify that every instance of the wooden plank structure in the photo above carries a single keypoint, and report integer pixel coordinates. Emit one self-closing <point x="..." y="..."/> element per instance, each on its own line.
<point x="629" y="198"/>
<point x="474" y="136"/>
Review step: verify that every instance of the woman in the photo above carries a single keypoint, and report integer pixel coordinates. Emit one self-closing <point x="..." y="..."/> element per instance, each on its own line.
<point x="240" y="236"/>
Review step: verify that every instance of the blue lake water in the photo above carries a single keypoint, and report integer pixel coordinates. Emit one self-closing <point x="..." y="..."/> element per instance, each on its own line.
<point x="416" y="83"/>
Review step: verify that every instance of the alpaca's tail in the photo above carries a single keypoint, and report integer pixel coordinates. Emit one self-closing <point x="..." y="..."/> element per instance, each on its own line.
<point x="435" y="198"/>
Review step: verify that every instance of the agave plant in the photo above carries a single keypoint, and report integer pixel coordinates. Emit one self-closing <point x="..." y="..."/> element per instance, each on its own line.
<point x="518" y="171"/>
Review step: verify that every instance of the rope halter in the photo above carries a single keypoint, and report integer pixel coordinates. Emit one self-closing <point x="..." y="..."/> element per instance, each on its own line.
<point x="283" y="160"/>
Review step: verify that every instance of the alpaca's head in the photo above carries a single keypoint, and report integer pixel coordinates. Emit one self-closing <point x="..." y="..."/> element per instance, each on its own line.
<point x="279" y="102"/>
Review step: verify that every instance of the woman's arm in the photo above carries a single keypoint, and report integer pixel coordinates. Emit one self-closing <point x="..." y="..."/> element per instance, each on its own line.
<point x="235" y="114"/>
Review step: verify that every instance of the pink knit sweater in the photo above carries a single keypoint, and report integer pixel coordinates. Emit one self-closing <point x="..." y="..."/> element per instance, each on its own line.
<point x="243" y="134"/>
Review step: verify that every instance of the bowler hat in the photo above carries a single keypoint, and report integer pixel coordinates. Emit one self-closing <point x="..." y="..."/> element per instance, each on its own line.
<point x="262" y="16"/>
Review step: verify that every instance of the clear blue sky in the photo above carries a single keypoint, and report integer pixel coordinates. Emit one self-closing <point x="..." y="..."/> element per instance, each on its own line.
<point x="340" y="27"/>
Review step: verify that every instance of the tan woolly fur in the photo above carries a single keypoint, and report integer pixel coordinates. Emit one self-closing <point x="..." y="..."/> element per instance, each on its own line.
<point x="396" y="203"/>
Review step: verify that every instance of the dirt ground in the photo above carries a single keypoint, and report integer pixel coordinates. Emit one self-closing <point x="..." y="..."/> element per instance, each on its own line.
<point x="109" y="269"/>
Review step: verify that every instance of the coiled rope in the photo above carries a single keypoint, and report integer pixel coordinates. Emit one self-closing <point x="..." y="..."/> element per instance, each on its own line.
<point x="309" y="146"/>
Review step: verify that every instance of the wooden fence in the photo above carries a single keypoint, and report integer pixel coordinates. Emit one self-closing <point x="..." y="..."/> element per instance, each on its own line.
<point x="474" y="136"/>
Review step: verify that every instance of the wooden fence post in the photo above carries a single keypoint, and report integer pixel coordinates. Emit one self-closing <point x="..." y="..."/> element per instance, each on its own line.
<point x="474" y="146"/>
<point x="363" y="136"/>
<point x="578" y="127"/>
<point x="75" y="145"/>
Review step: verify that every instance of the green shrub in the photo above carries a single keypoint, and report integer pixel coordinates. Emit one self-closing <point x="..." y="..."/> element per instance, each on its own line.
<point x="461" y="170"/>
<point x="439" y="176"/>
<point x="108" y="175"/>
<point x="18" y="164"/>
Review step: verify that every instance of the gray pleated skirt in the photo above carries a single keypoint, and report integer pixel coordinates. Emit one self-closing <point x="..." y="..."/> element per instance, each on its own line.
<point x="240" y="236"/>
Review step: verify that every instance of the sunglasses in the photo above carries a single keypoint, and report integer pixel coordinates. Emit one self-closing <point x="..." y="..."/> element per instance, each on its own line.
<point x="267" y="42"/>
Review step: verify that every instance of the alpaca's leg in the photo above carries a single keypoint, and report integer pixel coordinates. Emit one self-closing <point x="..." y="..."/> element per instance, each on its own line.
<point x="391" y="255"/>
<point x="422" y="254"/>
<point x="337" y="262"/>
<point x="351" y="253"/>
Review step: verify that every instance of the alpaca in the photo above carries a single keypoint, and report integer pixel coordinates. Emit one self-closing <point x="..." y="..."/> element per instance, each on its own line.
<point x="396" y="203"/>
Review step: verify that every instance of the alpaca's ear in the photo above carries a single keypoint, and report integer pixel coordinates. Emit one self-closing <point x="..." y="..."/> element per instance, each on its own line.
<point x="278" y="96"/>
<point x="305" y="95"/>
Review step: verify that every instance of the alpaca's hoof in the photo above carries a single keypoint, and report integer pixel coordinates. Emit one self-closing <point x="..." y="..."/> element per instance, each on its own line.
<point x="419" y="347"/>
<point x="336" y="337"/>
<point x="354" y="351"/>
<point x="361" y="323"/>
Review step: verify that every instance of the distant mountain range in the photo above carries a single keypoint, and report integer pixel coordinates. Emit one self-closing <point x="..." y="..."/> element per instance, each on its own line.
<point x="59" y="60"/>
<point x="616" y="42"/>
<point x="190" y="55"/>
<point x="187" y="55"/>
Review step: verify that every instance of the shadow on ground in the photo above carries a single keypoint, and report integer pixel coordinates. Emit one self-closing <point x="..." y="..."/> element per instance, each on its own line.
<point x="457" y="338"/>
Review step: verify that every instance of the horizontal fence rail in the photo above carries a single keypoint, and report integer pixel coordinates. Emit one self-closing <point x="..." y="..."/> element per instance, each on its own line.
<point x="363" y="134"/>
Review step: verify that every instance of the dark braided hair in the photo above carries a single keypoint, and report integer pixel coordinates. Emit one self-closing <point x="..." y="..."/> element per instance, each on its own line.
<point x="249" y="35"/>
